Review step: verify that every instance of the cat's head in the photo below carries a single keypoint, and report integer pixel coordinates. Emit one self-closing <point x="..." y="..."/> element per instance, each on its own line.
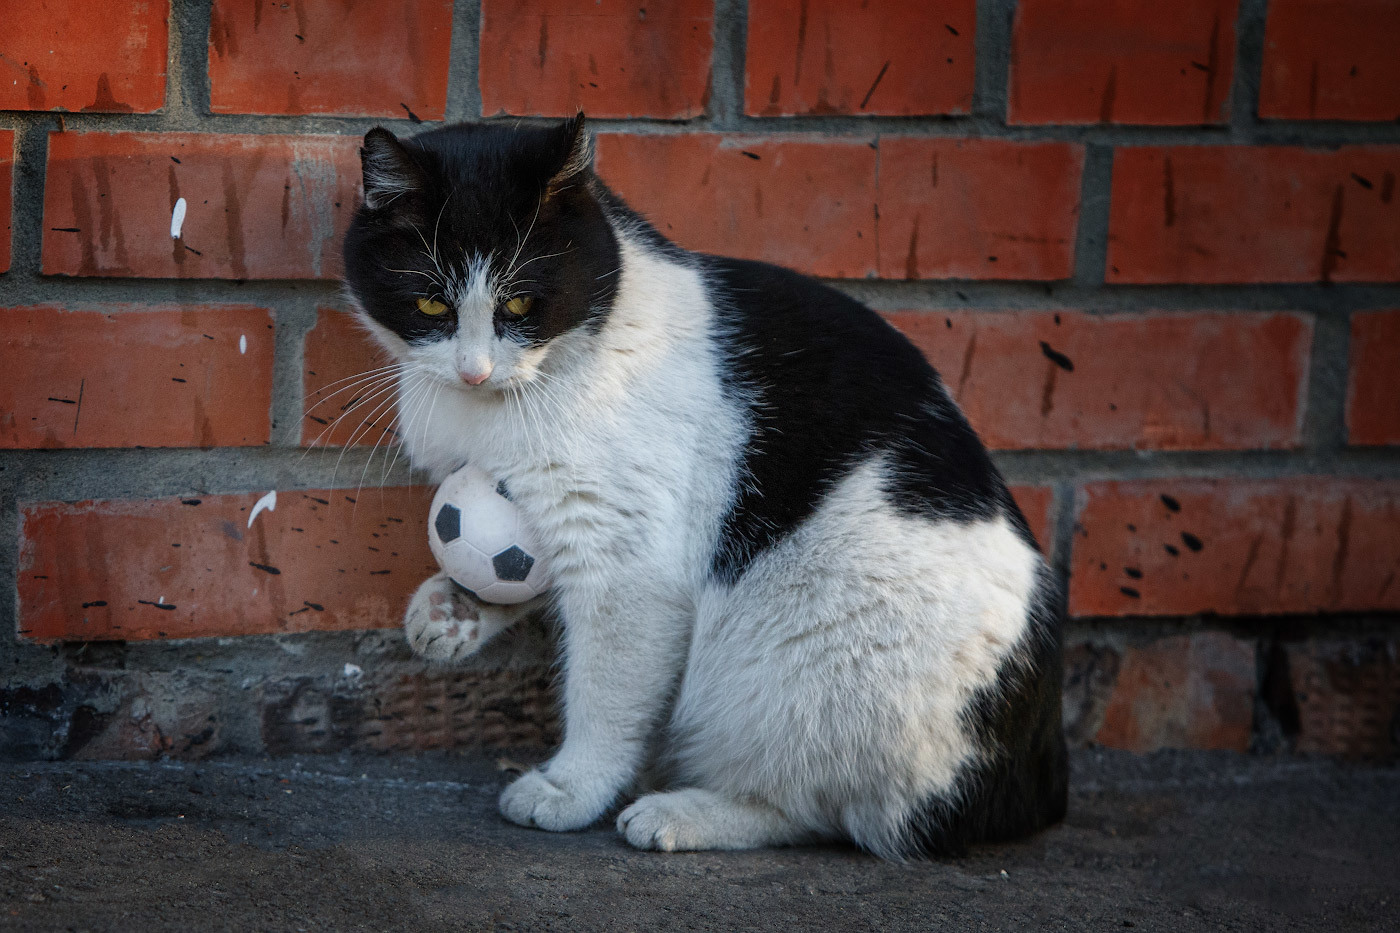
<point x="478" y="246"/>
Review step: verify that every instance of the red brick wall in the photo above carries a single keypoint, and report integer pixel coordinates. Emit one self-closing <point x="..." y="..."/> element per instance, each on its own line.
<point x="1153" y="248"/>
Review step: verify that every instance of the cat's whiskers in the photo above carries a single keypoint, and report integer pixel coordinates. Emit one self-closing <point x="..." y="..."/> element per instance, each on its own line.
<point x="385" y="395"/>
<point x="383" y="433"/>
<point x="368" y="387"/>
<point x="369" y="375"/>
<point x="428" y="418"/>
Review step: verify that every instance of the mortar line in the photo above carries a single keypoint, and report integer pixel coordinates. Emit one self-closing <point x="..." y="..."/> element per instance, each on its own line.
<point x="464" y="61"/>
<point x="1320" y="134"/>
<point x="26" y="286"/>
<point x="1324" y="421"/>
<point x="992" y="60"/>
<point x="152" y="473"/>
<point x="727" y="65"/>
<point x="1095" y="198"/>
<point x="1249" y="64"/>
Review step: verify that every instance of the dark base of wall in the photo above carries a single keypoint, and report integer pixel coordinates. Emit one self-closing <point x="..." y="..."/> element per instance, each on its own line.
<point x="1274" y="687"/>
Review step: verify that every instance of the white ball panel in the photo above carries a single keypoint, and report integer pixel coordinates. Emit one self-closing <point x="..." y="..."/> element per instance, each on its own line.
<point x="507" y="593"/>
<point x="468" y="566"/>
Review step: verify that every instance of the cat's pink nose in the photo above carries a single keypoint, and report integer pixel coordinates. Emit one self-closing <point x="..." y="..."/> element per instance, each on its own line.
<point x="475" y="377"/>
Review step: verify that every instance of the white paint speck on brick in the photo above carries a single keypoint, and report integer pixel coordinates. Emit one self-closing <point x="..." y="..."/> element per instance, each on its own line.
<point x="268" y="502"/>
<point x="177" y="219"/>
<point x="242" y="343"/>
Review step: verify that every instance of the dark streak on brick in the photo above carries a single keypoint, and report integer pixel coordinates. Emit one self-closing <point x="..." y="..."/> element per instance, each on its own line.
<point x="1056" y="357"/>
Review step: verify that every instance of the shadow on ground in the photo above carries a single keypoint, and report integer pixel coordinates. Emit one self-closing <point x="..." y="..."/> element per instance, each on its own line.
<point x="1168" y="842"/>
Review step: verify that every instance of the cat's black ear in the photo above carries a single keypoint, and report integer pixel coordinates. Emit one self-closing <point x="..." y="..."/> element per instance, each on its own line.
<point x="575" y="154"/>
<point x="390" y="171"/>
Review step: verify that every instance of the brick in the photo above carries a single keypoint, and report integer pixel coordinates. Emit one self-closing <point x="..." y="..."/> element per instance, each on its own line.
<point x="977" y="208"/>
<point x="1331" y="60"/>
<point x="893" y="57"/>
<point x="135" y="377"/>
<point x="192" y="567"/>
<point x="1373" y="389"/>
<point x="258" y="207"/>
<point x="7" y="194"/>
<point x="1005" y="210"/>
<point x="1122" y="61"/>
<point x="1161" y="380"/>
<point x="343" y="405"/>
<point x="806" y="203"/>
<point x="1347" y="695"/>
<point x="1236" y="547"/>
<point x="330" y="56"/>
<point x="1036" y="504"/>
<point x="609" y="58"/>
<point x="1183" y="691"/>
<point x="59" y="55"/>
<point x="1243" y="214"/>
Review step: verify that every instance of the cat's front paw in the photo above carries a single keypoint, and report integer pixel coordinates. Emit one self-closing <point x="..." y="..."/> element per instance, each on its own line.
<point x="543" y="802"/>
<point x="663" y="823"/>
<point x="446" y="623"/>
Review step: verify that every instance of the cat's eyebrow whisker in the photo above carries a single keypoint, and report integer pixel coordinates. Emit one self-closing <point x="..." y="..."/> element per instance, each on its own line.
<point x="430" y="276"/>
<point x="437" y="223"/>
<point x="546" y="256"/>
<point x="520" y="245"/>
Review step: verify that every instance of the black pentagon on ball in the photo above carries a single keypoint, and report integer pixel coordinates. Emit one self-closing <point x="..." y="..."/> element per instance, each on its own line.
<point x="448" y="523"/>
<point x="512" y="565"/>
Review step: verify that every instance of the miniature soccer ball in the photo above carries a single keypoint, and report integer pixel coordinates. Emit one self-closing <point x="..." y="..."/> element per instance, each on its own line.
<point x="478" y="538"/>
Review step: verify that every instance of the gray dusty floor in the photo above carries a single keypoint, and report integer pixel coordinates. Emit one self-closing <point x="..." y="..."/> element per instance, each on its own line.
<point x="1169" y="842"/>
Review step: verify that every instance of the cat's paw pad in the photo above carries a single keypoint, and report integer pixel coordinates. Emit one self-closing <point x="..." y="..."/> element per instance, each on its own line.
<point x="544" y="803"/>
<point x="663" y="823"/>
<point x="444" y="623"/>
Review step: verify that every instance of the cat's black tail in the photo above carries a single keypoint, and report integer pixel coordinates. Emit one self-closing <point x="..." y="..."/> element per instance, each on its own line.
<point x="1021" y="783"/>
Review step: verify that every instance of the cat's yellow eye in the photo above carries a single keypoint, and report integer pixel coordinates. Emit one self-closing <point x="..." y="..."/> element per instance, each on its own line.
<point x="518" y="306"/>
<point x="431" y="307"/>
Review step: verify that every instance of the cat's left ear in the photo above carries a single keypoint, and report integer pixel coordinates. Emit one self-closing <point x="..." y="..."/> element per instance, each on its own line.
<point x="389" y="170"/>
<point x="575" y="148"/>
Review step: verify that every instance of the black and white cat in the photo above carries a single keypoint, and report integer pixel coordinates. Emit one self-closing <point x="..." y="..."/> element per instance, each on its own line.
<point x="785" y="567"/>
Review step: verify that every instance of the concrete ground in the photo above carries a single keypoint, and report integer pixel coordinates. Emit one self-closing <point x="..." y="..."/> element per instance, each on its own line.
<point x="1169" y="842"/>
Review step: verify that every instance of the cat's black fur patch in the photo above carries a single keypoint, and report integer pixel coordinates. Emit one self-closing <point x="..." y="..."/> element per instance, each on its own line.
<point x="433" y="214"/>
<point x="828" y="382"/>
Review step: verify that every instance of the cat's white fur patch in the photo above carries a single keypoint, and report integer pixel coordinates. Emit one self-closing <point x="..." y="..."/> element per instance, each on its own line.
<point x="831" y="679"/>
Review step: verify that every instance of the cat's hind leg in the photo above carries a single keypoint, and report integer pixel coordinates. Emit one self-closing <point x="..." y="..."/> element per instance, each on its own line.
<point x="693" y="819"/>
